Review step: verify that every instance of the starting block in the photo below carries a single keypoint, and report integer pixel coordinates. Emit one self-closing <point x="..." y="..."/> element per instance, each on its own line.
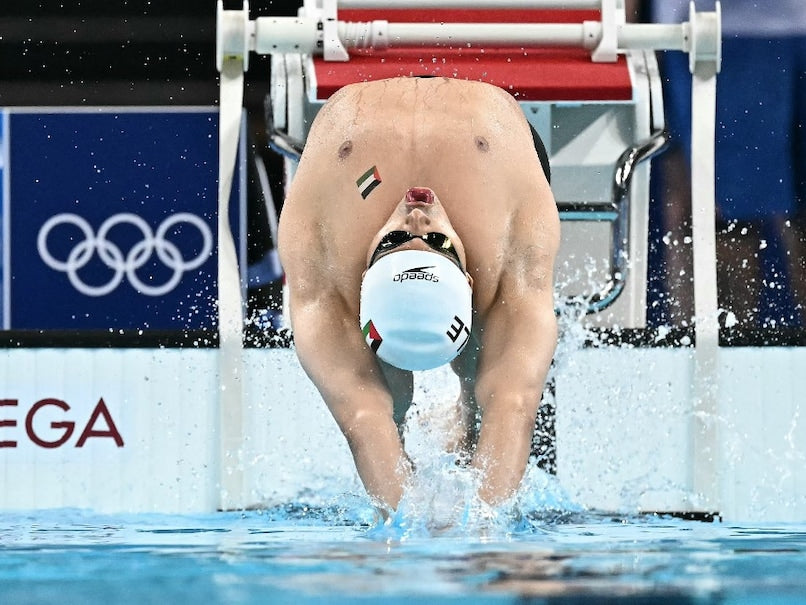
<point x="588" y="83"/>
<point x="598" y="120"/>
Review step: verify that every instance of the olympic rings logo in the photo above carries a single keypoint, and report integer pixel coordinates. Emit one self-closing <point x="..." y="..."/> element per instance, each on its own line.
<point x="113" y="257"/>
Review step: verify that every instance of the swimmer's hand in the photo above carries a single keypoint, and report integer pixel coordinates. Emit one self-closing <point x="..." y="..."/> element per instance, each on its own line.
<point x="442" y="498"/>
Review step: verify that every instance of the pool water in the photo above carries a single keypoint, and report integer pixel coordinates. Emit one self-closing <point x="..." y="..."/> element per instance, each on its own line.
<point x="340" y="554"/>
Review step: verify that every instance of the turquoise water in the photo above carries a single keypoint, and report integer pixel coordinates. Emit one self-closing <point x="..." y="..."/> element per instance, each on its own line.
<point x="338" y="554"/>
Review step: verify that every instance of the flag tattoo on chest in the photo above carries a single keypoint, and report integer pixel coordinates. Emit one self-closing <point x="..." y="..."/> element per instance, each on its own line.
<point x="367" y="182"/>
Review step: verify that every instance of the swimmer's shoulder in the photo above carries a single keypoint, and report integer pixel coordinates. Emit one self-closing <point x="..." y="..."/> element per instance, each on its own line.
<point x="349" y="94"/>
<point x="353" y="93"/>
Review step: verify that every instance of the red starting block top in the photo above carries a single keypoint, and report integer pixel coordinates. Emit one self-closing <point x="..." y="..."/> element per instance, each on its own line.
<point x="529" y="74"/>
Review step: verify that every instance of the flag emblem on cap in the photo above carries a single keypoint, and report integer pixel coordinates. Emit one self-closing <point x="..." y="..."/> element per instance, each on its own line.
<point x="372" y="337"/>
<point x="368" y="181"/>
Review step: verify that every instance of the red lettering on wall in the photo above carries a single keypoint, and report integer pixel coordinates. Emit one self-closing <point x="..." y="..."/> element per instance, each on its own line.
<point x="8" y="422"/>
<point x="66" y="425"/>
<point x="99" y="425"/>
<point x="89" y="430"/>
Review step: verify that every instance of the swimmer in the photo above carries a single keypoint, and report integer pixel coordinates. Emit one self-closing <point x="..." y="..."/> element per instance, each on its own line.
<point x="420" y="229"/>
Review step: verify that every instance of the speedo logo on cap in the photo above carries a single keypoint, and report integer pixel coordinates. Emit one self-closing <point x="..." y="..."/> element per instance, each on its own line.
<point x="420" y="273"/>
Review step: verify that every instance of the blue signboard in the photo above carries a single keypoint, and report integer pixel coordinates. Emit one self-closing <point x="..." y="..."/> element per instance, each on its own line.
<point x="111" y="219"/>
<point x="3" y="222"/>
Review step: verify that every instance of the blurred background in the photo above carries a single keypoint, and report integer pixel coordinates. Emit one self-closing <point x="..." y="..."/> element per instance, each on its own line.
<point x="117" y="52"/>
<point x="141" y="53"/>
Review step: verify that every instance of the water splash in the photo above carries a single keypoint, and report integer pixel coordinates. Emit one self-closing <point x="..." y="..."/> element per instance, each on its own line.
<point x="442" y="500"/>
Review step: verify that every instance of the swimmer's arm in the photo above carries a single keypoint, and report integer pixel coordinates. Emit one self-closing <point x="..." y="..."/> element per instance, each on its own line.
<point x="333" y="353"/>
<point x="518" y="344"/>
<point x="518" y="339"/>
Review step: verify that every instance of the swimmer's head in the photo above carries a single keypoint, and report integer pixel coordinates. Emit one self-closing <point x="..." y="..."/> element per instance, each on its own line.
<point x="416" y="308"/>
<point x="416" y="295"/>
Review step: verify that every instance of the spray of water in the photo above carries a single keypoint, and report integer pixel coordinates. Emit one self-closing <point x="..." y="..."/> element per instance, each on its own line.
<point x="442" y="496"/>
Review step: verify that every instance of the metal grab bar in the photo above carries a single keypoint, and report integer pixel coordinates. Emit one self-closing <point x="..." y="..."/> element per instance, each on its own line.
<point x="269" y="35"/>
<point x="279" y="140"/>
<point x="618" y="213"/>
<point x="382" y="34"/>
<point x="318" y="30"/>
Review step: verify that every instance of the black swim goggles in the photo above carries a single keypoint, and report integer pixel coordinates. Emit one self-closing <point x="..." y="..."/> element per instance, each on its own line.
<point x="438" y="242"/>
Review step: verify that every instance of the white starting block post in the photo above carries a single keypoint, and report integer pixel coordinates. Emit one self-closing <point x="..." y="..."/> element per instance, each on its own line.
<point x="596" y="145"/>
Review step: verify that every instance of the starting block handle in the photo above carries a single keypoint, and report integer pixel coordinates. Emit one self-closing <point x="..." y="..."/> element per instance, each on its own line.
<point x="299" y="35"/>
<point x="317" y="31"/>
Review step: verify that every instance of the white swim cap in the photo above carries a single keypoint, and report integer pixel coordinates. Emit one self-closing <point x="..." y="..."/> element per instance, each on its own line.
<point x="416" y="309"/>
